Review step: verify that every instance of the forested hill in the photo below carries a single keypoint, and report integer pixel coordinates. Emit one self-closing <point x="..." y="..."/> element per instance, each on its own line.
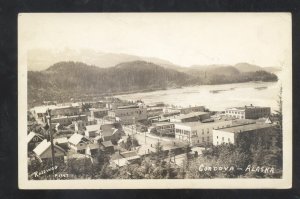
<point x="129" y="76"/>
<point x="74" y="79"/>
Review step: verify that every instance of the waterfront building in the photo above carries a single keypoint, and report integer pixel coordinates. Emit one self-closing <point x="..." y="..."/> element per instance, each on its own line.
<point x="248" y="112"/>
<point x="39" y="112"/>
<point x="128" y="114"/>
<point x="67" y="120"/>
<point x="154" y="111"/>
<point x="163" y="128"/>
<point x="98" y="112"/>
<point x="190" y="117"/>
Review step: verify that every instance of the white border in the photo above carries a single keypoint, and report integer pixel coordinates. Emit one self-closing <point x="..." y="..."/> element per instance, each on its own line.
<point x="24" y="183"/>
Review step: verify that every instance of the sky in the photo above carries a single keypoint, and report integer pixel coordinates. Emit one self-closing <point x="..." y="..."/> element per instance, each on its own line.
<point x="183" y="38"/>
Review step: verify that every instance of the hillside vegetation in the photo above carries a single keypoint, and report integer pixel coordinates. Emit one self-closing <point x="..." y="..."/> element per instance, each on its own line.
<point x="64" y="80"/>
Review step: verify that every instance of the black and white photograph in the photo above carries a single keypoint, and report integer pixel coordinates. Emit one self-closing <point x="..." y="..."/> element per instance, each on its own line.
<point x="154" y="100"/>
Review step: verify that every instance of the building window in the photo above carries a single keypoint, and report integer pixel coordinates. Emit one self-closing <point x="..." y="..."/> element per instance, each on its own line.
<point x="217" y="137"/>
<point x="202" y="139"/>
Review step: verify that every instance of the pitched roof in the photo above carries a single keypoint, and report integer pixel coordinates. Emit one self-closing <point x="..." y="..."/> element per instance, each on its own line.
<point x="120" y="162"/>
<point x="43" y="146"/>
<point x="192" y="114"/>
<point x="107" y="143"/>
<point x="94" y="127"/>
<point x="128" y="154"/>
<point x="75" y="138"/>
<point x="93" y="146"/>
<point x="31" y="135"/>
<point x="108" y="131"/>
<point x="107" y="126"/>
<point x="98" y="137"/>
<point x="60" y="140"/>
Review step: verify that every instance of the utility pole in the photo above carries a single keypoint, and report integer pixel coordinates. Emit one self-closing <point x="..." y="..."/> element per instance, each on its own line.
<point x="51" y="141"/>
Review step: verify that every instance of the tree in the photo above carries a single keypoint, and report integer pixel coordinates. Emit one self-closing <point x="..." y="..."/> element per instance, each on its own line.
<point x="102" y="160"/>
<point x="279" y="115"/>
<point x="158" y="154"/>
<point x="131" y="142"/>
<point x="86" y="107"/>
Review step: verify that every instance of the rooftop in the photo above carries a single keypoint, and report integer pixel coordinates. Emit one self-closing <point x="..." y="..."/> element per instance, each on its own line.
<point x="107" y="143"/>
<point x="43" y="146"/>
<point x="94" y="127"/>
<point x="162" y="123"/>
<point x="189" y="115"/>
<point x="193" y="124"/>
<point x="129" y="106"/>
<point x="246" y="127"/>
<point x="245" y="107"/>
<point x="98" y="109"/>
<point x="31" y="135"/>
<point x="183" y="108"/>
<point x="71" y="116"/>
<point x="60" y="140"/>
<point x="76" y="138"/>
<point x="43" y="109"/>
<point x="128" y="154"/>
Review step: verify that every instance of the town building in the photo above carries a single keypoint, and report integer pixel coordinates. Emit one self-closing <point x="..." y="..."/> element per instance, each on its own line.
<point x="111" y="132"/>
<point x="98" y="112"/>
<point x="190" y="117"/>
<point x="78" y="143"/>
<point x="79" y="125"/>
<point x="248" y="112"/>
<point x="92" y="130"/>
<point x="191" y="109"/>
<point x="154" y="111"/>
<point x="67" y="120"/>
<point x="183" y="110"/>
<point x="124" y="158"/>
<point x="62" y="142"/>
<point x="92" y="149"/>
<point x="107" y="146"/>
<point x="199" y="133"/>
<point x="163" y="128"/>
<point x="39" y="112"/>
<point x="253" y="132"/>
<point x="34" y="139"/>
<point x="128" y="114"/>
<point x="43" y="151"/>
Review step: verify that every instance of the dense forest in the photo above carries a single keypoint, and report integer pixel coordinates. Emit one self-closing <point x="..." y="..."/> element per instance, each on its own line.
<point x="65" y="80"/>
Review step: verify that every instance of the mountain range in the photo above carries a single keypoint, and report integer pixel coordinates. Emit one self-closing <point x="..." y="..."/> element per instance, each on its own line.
<point x="65" y="80"/>
<point x="41" y="59"/>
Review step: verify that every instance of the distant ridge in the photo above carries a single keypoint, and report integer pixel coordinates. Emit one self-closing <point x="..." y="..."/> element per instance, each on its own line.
<point x="64" y="80"/>
<point x="41" y="59"/>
